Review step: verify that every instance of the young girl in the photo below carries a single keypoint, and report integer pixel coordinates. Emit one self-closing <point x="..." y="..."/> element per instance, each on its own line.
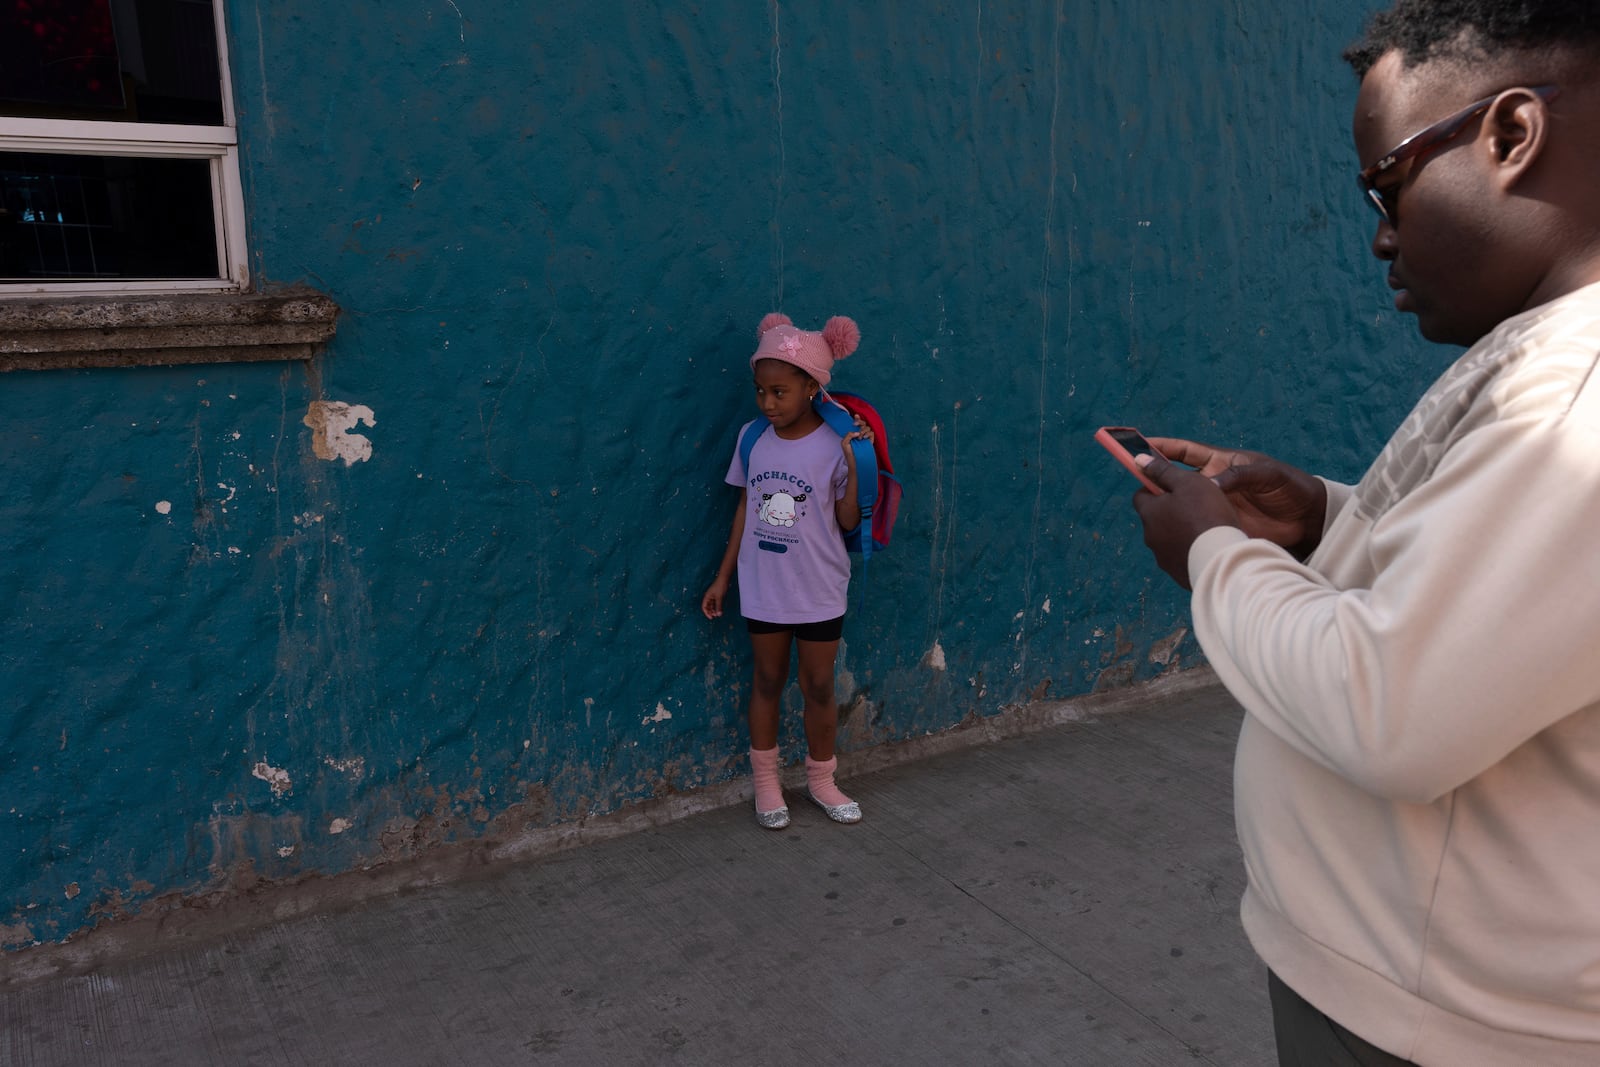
<point x="797" y="496"/>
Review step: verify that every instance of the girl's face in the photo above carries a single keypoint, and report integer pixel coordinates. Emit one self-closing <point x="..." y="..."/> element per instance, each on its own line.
<point x="783" y="393"/>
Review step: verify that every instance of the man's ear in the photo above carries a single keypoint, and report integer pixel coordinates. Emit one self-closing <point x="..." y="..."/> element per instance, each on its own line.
<point x="1518" y="126"/>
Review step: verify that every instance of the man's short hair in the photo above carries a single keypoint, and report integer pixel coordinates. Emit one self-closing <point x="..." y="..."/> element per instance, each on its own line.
<point x="1424" y="30"/>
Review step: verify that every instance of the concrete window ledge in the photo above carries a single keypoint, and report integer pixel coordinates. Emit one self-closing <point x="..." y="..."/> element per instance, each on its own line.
<point x="107" y="330"/>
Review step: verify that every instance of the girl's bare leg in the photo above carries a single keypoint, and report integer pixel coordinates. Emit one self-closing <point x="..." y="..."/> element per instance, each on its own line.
<point x="817" y="660"/>
<point x="771" y="655"/>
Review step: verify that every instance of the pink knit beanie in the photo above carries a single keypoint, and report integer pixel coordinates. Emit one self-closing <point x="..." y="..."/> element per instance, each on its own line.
<point x="812" y="352"/>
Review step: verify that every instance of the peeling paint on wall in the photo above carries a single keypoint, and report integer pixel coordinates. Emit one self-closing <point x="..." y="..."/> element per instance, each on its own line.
<point x="661" y="715"/>
<point x="1163" y="651"/>
<point x="934" y="660"/>
<point x="355" y="768"/>
<point x="331" y="422"/>
<point x="276" y="777"/>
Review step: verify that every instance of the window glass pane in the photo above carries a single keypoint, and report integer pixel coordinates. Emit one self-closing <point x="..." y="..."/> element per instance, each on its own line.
<point x="127" y="60"/>
<point x="90" y="218"/>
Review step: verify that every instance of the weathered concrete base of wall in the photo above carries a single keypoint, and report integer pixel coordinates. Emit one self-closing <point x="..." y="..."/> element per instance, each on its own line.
<point x="245" y="906"/>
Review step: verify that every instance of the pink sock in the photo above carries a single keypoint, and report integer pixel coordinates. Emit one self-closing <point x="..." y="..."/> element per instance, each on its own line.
<point x="764" y="768"/>
<point x="819" y="776"/>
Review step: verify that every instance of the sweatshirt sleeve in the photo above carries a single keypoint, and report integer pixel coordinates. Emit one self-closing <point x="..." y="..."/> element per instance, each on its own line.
<point x="1339" y="495"/>
<point x="1479" y="629"/>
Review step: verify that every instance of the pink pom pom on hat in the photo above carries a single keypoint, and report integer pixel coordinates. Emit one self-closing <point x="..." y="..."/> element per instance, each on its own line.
<point x="811" y="351"/>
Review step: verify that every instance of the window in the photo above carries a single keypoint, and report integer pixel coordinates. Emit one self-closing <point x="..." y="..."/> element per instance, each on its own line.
<point x="119" y="168"/>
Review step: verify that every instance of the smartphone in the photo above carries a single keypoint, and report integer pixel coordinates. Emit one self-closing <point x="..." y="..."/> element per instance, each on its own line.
<point x="1124" y="443"/>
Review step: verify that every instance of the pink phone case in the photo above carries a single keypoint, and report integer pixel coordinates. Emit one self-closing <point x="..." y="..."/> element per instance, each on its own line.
<point x="1108" y="436"/>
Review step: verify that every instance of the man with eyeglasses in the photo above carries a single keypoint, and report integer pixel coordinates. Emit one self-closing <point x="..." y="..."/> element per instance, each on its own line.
<point x="1417" y="781"/>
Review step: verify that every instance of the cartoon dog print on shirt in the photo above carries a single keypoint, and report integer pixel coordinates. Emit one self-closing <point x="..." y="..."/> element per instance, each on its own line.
<point x="778" y="509"/>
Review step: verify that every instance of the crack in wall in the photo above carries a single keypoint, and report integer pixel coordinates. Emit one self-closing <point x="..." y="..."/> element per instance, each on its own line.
<point x="783" y="160"/>
<point x="1044" y="346"/>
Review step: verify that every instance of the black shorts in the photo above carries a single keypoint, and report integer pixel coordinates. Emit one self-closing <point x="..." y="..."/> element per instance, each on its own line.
<point x="831" y="630"/>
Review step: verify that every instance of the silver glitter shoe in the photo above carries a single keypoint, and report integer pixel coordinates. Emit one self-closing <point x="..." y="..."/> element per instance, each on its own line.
<point x="776" y="819"/>
<point x="845" y="813"/>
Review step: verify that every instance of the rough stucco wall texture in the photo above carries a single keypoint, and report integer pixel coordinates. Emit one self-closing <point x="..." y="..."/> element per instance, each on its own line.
<point x="269" y="620"/>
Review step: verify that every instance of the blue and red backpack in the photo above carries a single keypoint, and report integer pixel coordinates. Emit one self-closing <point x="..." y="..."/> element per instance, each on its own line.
<point x="877" y="488"/>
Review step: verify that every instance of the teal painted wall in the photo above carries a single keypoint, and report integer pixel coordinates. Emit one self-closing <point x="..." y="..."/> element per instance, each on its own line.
<point x="553" y="229"/>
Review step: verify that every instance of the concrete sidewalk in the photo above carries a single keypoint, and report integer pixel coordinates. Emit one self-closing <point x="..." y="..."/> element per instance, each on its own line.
<point x="1065" y="897"/>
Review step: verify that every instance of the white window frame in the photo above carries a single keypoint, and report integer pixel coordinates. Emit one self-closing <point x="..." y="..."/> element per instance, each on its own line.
<point x="219" y="144"/>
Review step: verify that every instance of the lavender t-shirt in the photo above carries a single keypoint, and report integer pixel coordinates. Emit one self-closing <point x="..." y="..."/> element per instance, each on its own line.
<point x="793" y="566"/>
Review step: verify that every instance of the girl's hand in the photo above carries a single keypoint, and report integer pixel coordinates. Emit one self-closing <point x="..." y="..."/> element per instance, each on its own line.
<point x="863" y="432"/>
<point x="711" y="603"/>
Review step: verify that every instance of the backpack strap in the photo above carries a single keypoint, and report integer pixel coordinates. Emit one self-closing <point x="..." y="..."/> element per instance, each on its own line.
<point x="841" y="422"/>
<point x="747" y="444"/>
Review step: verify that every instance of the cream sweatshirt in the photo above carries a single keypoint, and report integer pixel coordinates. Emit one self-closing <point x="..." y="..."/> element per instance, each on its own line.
<point x="1417" y="783"/>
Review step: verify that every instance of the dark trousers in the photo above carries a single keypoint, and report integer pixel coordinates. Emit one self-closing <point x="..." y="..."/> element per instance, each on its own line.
<point x="1308" y="1038"/>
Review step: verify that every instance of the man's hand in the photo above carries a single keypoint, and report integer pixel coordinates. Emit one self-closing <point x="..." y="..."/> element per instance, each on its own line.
<point x="1191" y="505"/>
<point x="1274" y="501"/>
